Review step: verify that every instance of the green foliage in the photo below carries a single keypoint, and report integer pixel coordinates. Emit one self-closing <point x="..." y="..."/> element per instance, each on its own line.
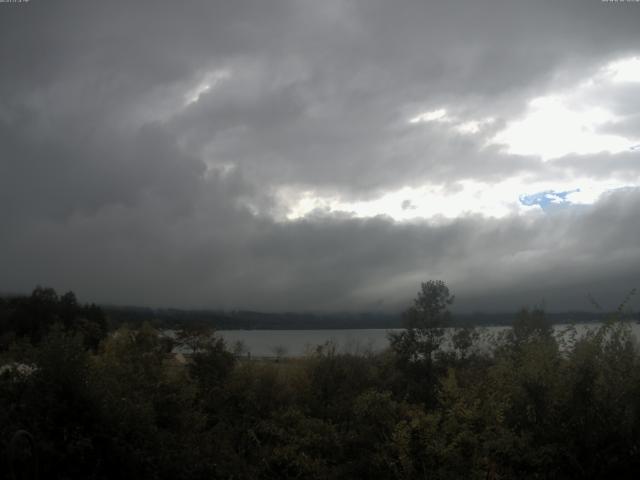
<point x="530" y="325"/>
<point x="527" y="405"/>
<point x="425" y="321"/>
<point x="415" y="348"/>
<point x="195" y="337"/>
<point x="212" y="365"/>
<point x="32" y="317"/>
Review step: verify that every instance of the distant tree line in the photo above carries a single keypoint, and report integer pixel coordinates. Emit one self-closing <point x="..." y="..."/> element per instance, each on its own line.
<point x="32" y="317"/>
<point x="171" y="318"/>
<point x="524" y="404"/>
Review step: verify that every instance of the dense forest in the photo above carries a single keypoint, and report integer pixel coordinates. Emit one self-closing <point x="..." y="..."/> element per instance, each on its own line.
<point x="81" y="398"/>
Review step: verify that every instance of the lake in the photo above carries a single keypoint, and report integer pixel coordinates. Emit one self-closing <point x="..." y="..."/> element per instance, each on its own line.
<point x="272" y="343"/>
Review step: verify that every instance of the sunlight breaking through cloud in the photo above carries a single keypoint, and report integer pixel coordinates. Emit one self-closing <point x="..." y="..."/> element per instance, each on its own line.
<point x="553" y="128"/>
<point x="188" y="153"/>
<point x="626" y="70"/>
<point x="209" y="82"/>
<point x="572" y="121"/>
<point x="431" y="116"/>
<point x="498" y="200"/>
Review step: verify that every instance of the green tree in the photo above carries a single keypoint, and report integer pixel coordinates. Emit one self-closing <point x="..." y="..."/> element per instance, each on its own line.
<point x="426" y="318"/>
<point x="195" y="337"/>
<point x="531" y="325"/>
<point x="415" y="347"/>
<point x="211" y="365"/>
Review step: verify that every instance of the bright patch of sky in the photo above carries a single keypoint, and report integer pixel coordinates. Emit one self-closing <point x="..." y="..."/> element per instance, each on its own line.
<point x="460" y="125"/>
<point x="559" y="123"/>
<point x="626" y="70"/>
<point x="409" y="203"/>
<point x="209" y="81"/>
<point x="549" y="200"/>
<point x="509" y="197"/>
<point x="569" y="122"/>
<point x="553" y="126"/>
<point x="430" y="116"/>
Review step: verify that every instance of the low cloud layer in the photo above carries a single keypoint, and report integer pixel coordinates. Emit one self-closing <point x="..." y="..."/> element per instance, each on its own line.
<point x="153" y="153"/>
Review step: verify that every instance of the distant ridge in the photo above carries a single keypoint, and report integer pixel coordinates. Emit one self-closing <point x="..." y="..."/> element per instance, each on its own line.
<point x="253" y="320"/>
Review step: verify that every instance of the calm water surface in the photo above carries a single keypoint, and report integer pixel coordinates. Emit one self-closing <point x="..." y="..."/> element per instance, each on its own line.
<point x="271" y="343"/>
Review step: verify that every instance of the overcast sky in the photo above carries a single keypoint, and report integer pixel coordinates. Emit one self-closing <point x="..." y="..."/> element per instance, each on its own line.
<point x="309" y="155"/>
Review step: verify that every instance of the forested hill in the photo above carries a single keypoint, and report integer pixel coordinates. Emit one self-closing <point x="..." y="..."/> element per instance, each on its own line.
<point x="245" y="319"/>
<point x="117" y="316"/>
<point x="242" y="319"/>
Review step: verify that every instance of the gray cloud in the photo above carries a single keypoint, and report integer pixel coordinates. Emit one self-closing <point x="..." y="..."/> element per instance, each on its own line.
<point x="222" y="255"/>
<point x="111" y="185"/>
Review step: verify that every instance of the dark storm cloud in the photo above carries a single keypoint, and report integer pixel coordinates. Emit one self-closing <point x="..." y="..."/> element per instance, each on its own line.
<point x="113" y="185"/>
<point x="329" y="111"/>
<point x="214" y="257"/>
